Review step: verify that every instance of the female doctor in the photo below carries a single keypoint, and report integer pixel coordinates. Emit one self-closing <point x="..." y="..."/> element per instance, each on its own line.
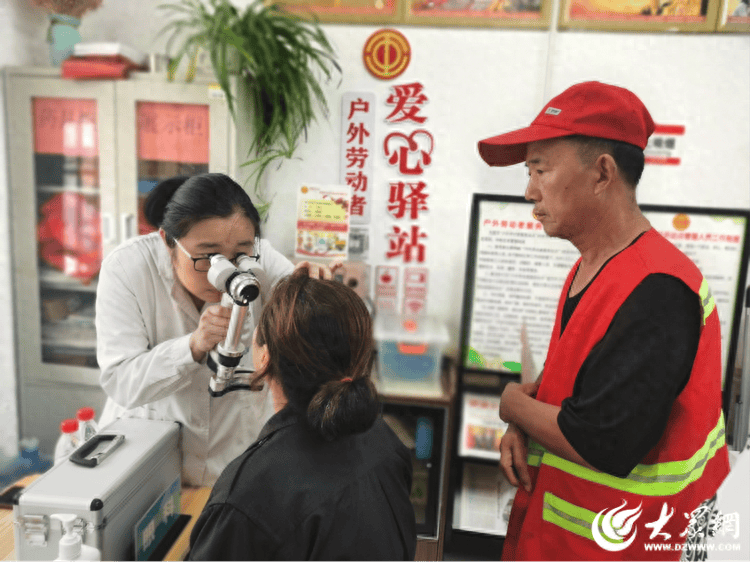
<point x="157" y="317"/>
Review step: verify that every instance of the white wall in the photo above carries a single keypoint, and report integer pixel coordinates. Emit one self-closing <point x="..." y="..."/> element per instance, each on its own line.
<point x="479" y="82"/>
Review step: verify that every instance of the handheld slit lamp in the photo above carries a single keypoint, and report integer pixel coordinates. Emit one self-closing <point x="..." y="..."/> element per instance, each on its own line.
<point x="240" y="286"/>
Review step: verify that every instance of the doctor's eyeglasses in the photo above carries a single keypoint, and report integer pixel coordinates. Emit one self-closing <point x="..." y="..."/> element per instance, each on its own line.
<point x="203" y="264"/>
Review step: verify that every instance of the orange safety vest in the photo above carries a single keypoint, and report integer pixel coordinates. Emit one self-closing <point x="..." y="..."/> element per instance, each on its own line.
<point x="575" y="513"/>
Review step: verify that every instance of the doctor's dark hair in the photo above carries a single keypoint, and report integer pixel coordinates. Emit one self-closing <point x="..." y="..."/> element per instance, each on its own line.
<point x="176" y="204"/>
<point x="320" y="347"/>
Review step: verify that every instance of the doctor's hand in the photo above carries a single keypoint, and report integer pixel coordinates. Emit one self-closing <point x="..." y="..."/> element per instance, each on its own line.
<point x="212" y="329"/>
<point x="319" y="270"/>
<point x="513" y="453"/>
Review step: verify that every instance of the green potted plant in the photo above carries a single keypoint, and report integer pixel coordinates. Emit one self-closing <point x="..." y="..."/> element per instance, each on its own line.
<point x="281" y="59"/>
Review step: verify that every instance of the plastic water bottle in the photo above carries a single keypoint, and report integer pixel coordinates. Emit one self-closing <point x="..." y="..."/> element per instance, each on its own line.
<point x="68" y="441"/>
<point x="87" y="427"/>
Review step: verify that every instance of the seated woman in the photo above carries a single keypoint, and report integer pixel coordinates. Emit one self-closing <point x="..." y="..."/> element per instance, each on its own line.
<point x="327" y="479"/>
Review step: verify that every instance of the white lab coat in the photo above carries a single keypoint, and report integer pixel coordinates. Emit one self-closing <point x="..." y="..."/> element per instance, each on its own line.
<point x="144" y="318"/>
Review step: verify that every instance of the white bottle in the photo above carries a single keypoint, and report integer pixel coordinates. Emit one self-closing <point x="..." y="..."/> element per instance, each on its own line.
<point x="87" y="427"/>
<point x="68" y="441"/>
<point x="71" y="545"/>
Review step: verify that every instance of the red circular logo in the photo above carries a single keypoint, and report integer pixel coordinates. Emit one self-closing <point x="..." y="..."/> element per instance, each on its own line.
<point x="386" y="54"/>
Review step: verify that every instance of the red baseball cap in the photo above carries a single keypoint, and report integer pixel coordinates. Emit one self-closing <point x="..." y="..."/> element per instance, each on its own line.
<point x="592" y="109"/>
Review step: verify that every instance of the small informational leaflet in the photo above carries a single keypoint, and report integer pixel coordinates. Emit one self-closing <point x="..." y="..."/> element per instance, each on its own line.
<point x="415" y="289"/>
<point x="486" y="500"/>
<point x="323" y="221"/>
<point x="481" y="426"/>
<point x="386" y="288"/>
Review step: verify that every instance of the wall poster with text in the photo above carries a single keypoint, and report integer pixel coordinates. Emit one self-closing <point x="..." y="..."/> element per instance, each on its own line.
<point x="515" y="273"/>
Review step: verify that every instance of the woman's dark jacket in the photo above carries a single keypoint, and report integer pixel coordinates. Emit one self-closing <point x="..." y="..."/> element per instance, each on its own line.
<point x="293" y="496"/>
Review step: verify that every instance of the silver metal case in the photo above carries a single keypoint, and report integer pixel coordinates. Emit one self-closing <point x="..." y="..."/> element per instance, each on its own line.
<point x="108" y="498"/>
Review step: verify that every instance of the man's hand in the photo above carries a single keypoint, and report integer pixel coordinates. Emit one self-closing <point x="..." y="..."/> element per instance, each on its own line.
<point x="513" y="453"/>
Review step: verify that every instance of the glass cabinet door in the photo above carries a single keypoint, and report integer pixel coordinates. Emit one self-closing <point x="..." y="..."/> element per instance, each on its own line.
<point x="172" y="141"/>
<point x="68" y="226"/>
<point x="63" y="209"/>
<point x="167" y="129"/>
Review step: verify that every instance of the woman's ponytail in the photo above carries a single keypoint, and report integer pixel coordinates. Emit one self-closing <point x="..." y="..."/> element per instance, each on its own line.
<point x="343" y="407"/>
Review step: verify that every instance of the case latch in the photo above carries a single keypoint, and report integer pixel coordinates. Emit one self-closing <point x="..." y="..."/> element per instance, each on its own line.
<point x="35" y="529"/>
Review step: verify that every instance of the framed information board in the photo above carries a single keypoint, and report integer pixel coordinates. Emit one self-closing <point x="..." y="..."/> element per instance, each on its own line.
<point x="515" y="272"/>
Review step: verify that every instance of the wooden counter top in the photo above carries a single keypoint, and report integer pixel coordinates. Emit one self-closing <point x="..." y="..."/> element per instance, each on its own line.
<point x="192" y="501"/>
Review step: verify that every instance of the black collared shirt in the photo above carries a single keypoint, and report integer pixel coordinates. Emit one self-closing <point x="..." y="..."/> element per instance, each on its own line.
<point x="293" y="496"/>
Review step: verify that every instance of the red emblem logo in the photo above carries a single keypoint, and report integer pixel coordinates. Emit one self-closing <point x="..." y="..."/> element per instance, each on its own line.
<point x="386" y="54"/>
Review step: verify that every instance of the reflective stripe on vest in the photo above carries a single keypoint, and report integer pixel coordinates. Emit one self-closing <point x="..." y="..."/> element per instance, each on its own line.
<point x="707" y="300"/>
<point x="536" y="451"/>
<point x="570" y="517"/>
<point x="661" y="479"/>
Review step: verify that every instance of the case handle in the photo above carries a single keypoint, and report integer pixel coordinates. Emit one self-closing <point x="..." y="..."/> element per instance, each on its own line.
<point x="80" y="455"/>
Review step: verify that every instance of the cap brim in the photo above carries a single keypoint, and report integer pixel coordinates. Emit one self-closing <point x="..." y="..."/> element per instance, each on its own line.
<point x="510" y="148"/>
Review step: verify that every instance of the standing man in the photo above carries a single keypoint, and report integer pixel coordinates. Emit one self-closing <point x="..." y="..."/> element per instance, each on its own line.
<point x="622" y="437"/>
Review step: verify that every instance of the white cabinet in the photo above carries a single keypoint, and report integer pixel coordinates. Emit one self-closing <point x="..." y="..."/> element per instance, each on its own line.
<point x="82" y="157"/>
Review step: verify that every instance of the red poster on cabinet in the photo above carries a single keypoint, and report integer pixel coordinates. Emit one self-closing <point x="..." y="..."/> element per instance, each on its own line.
<point x="173" y="132"/>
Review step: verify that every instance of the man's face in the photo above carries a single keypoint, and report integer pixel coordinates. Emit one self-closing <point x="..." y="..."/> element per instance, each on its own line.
<point x="561" y="187"/>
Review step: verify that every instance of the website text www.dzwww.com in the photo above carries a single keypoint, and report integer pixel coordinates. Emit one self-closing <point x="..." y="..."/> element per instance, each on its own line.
<point x="725" y="547"/>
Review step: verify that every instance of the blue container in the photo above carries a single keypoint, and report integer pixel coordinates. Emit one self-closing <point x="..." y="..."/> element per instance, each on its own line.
<point x="410" y="353"/>
<point x="28" y="461"/>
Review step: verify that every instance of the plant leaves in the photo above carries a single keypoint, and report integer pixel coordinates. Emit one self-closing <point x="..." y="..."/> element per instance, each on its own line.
<point x="282" y="58"/>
